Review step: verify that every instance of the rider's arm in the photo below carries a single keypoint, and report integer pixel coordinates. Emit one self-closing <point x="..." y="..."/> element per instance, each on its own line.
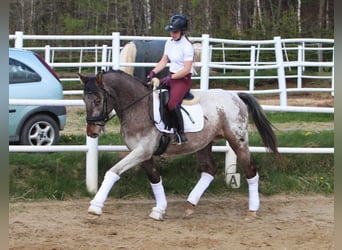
<point x="161" y="64"/>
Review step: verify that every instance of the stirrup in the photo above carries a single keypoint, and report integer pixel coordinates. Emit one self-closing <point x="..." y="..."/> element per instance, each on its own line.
<point x="179" y="139"/>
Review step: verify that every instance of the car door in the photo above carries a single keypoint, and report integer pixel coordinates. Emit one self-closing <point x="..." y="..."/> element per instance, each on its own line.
<point x="23" y="83"/>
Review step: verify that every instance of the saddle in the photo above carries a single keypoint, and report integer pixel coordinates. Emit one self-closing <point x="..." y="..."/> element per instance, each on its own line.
<point x="164" y="96"/>
<point x="190" y="108"/>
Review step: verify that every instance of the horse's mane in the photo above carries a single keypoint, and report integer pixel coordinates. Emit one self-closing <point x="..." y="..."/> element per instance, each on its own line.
<point x="124" y="74"/>
<point x="113" y="70"/>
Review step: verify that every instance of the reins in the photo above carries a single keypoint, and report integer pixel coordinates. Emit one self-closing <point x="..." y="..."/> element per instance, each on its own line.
<point x="135" y="102"/>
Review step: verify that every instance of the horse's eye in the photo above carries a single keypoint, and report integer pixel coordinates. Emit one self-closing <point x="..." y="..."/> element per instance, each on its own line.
<point x="97" y="101"/>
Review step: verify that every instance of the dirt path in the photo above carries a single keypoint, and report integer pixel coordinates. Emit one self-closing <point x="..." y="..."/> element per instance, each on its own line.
<point x="285" y="222"/>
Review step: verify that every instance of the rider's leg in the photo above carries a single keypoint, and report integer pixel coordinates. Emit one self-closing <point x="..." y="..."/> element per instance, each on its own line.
<point x="178" y="89"/>
<point x="178" y="126"/>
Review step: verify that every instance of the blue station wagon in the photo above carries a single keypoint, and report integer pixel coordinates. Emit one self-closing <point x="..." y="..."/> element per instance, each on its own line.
<point x="30" y="77"/>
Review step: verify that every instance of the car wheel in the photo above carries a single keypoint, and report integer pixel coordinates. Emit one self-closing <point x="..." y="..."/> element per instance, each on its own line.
<point x="40" y="130"/>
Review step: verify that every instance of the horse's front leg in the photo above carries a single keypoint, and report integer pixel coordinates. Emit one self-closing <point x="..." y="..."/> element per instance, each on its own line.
<point x="158" y="189"/>
<point x="134" y="158"/>
<point x="208" y="169"/>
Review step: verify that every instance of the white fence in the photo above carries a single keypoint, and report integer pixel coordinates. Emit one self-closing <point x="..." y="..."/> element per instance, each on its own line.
<point x="109" y="57"/>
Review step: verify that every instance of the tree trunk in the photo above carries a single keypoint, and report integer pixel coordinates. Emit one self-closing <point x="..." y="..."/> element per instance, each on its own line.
<point x="116" y="15"/>
<point x="22" y="15"/>
<point x="147" y="12"/>
<point x="107" y="18"/>
<point x="238" y="18"/>
<point x="207" y="16"/>
<point x="131" y="27"/>
<point x="321" y="21"/>
<point x="255" y="12"/>
<point x="327" y="19"/>
<point x="260" y="17"/>
<point x="278" y="15"/>
<point x="299" y="8"/>
<point x="321" y="14"/>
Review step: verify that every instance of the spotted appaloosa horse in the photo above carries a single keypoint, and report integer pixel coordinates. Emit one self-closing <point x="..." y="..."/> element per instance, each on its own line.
<point x="225" y="116"/>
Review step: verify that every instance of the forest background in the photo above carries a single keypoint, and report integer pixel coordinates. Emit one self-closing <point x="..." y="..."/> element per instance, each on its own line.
<point x="235" y="19"/>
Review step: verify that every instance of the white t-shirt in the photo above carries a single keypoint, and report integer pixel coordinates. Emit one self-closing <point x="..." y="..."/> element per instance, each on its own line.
<point x="178" y="52"/>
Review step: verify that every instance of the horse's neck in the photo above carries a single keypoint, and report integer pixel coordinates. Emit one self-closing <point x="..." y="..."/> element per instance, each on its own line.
<point x="129" y="97"/>
<point x="133" y="107"/>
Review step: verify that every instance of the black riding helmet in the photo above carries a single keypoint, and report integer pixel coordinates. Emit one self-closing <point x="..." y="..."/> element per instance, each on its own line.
<point x="177" y="23"/>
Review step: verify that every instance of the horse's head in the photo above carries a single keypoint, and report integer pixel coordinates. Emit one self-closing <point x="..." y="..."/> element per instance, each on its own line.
<point x="95" y="97"/>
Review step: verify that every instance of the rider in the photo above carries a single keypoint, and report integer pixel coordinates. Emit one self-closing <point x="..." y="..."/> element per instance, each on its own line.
<point x="179" y="52"/>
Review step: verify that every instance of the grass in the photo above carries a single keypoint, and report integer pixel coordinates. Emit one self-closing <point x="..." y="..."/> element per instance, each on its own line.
<point x="61" y="175"/>
<point x="282" y="117"/>
<point x="47" y="179"/>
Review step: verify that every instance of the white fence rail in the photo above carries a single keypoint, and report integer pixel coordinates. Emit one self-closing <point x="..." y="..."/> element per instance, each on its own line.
<point x="109" y="57"/>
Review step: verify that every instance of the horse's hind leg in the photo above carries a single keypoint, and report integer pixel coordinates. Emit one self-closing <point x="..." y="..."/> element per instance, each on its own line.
<point x="208" y="169"/>
<point x="244" y="158"/>
<point x="158" y="189"/>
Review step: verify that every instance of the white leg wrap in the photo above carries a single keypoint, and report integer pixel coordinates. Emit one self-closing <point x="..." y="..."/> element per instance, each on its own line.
<point x="200" y="187"/>
<point x="161" y="203"/>
<point x="157" y="213"/>
<point x="253" y="188"/>
<point x="97" y="203"/>
<point x="159" y="194"/>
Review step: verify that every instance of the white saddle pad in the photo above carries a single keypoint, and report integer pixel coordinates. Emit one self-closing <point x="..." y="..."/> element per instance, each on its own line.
<point x="194" y="110"/>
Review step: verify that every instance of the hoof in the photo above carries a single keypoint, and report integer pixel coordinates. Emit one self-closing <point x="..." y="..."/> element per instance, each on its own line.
<point x="251" y="215"/>
<point x="189" y="209"/>
<point x="93" y="217"/>
<point x="94" y="210"/>
<point x="157" y="214"/>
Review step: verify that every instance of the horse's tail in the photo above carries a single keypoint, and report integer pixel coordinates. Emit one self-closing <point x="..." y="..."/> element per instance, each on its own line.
<point x="263" y="125"/>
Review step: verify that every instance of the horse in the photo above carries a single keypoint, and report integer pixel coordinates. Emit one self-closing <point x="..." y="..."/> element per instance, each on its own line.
<point x="149" y="52"/>
<point x="225" y="115"/>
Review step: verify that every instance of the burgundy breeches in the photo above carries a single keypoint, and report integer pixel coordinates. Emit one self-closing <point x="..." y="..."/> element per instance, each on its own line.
<point x="178" y="89"/>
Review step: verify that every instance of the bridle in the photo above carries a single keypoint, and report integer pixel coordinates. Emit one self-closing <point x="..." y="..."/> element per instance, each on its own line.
<point x="106" y="115"/>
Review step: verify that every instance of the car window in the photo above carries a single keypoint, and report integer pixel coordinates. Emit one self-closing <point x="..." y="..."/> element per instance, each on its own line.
<point x="21" y="73"/>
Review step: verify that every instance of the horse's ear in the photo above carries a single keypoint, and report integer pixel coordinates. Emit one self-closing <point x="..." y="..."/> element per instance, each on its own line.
<point x="83" y="79"/>
<point x="99" y="79"/>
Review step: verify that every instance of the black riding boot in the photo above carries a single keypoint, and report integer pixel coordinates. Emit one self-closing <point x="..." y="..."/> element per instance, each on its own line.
<point x="178" y="127"/>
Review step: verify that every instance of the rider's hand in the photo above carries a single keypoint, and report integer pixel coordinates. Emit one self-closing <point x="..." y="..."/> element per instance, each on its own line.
<point x="150" y="76"/>
<point x="166" y="80"/>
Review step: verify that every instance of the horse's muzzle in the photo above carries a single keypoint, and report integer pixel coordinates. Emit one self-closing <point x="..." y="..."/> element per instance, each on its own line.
<point x="94" y="130"/>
